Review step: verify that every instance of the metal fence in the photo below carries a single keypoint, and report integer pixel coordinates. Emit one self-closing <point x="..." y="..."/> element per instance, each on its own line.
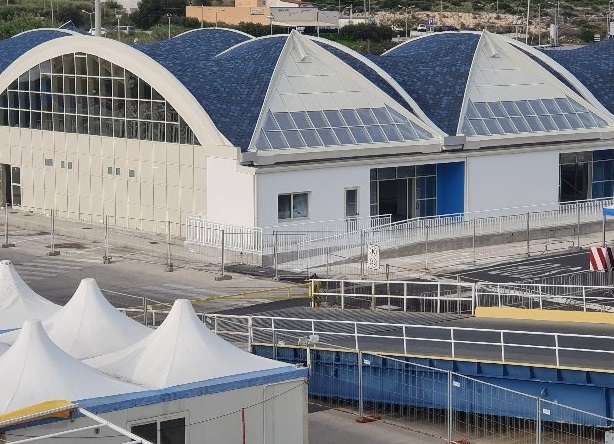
<point x="439" y="403"/>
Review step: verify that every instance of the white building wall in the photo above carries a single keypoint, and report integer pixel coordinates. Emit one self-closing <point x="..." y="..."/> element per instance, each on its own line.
<point x="504" y="181"/>
<point x="326" y="188"/>
<point x="274" y="414"/>
<point x="230" y="192"/>
<point x="169" y="184"/>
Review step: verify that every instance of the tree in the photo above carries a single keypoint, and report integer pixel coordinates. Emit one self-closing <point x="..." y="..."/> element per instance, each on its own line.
<point x="150" y="12"/>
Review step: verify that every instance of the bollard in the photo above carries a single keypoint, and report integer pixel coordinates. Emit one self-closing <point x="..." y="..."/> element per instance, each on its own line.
<point x="106" y="259"/>
<point x="53" y="251"/>
<point x="223" y="277"/>
<point x="6" y="243"/>
<point x="169" y="264"/>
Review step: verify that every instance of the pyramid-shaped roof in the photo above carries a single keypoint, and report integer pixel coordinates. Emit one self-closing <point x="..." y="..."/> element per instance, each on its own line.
<point x="180" y="351"/>
<point x="88" y="325"/>
<point x="34" y="370"/>
<point x="19" y="302"/>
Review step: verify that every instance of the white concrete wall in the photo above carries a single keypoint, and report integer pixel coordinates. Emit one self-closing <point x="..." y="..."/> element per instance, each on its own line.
<point x="273" y="415"/>
<point x="170" y="181"/>
<point x="326" y="188"/>
<point x="503" y="181"/>
<point x="230" y="192"/>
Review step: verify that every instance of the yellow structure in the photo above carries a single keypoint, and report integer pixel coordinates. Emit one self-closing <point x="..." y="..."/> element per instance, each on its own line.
<point x="544" y="315"/>
<point x="248" y="11"/>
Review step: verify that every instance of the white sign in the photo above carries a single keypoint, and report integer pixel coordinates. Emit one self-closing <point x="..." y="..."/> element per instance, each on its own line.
<point x="373" y="257"/>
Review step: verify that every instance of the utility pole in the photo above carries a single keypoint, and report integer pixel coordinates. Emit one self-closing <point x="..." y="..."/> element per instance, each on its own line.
<point x="526" y="37"/>
<point x="97" y="18"/>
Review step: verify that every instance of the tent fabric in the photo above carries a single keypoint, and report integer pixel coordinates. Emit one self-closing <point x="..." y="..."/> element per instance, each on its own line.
<point x="182" y="350"/>
<point x="88" y="325"/>
<point x="19" y="302"/>
<point x="35" y="370"/>
<point x="608" y="211"/>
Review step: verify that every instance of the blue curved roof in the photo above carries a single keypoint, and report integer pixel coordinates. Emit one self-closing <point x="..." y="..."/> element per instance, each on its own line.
<point x="434" y="72"/>
<point x="593" y="65"/>
<point x="11" y="49"/>
<point x="230" y="87"/>
<point x="199" y="44"/>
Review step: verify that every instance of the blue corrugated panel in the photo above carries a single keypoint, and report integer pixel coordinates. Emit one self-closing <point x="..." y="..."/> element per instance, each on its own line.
<point x="367" y="72"/>
<point x="230" y="87"/>
<point x="434" y="72"/>
<point x="593" y="65"/>
<point x="11" y="49"/>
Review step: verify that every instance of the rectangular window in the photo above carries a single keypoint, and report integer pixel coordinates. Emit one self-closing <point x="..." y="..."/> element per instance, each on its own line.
<point x="109" y="170"/>
<point x="131" y="173"/>
<point x="70" y="165"/>
<point x="48" y="162"/>
<point x="162" y="431"/>
<point x="16" y="186"/>
<point x="118" y="171"/>
<point x="351" y="202"/>
<point x="62" y="164"/>
<point x="292" y="206"/>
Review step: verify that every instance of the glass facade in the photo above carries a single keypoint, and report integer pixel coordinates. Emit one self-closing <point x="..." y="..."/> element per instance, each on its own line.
<point x="85" y="94"/>
<point x="528" y="116"/>
<point x="586" y="175"/>
<point x="404" y="192"/>
<point x="337" y="127"/>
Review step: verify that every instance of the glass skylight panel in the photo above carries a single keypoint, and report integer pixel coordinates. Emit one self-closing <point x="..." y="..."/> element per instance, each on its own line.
<point x="407" y="131"/>
<point x="467" y="128"/>
<point x="547" y="123"/>
<point x="334" y="117"/>
<point x="284" y="121"/>
<point x="599" y="121"/>
<point x="525" y="108"/>
<point x="422" y="133"/>
<point x="311" y="138"/>
<point x="276" y="139"/>
<point x="392" y="133"/>
<point x="344" y="136"/>
<point x="361" y="135"/>
<point x="396" y="116"/>
<point x="567" y="123"/>
<point x="538" y="107"/>
<point x="270" y="123"/>
<point x="301" y="120"/>
<point x="497" y="109"/>
<point x="479" y="127"/>
<point x="483" y="110"/>
<point x="507" y="125"/>
<point x="262" y="142"/>
<point x="382" y="116"/>
<point x="564" y="105"/>
<point x="376" y="133"/>
<point x="366" y="116"/>
<point x="327" y="136"/>
<point x="472" y="113"/>
<point x="551" y="106"/>
<point x="493" y="126"/>
<point x="511" y="108"/>
<point x="351" y="118"/>
<point x="587" y="120"/>
<point x="294" y="139"/>
<point x="576" y="106"/>
<point x="318" y="119"/>
<point x="534" y="123"/>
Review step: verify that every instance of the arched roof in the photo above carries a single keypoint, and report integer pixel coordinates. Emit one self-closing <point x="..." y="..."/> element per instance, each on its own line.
<point x="593" y="66"/>
<point x="434" y="71"/>
<point x="11" y="49"/>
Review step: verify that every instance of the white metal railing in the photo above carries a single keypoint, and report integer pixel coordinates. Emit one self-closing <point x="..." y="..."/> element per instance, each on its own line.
<point x="202" y="232"/>
<point x="368" y="335"/>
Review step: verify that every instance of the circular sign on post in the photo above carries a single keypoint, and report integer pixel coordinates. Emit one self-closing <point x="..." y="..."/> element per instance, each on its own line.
<point x="373" y="257"/>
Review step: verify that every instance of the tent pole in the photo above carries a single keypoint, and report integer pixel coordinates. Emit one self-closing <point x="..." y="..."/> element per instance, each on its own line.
<point x="603" y="243"/>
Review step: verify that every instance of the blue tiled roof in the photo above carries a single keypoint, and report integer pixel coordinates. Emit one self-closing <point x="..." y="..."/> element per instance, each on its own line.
<point x="434" y="71"/>
<point x="200" y="44"/>
<point x="593" y="65"/>
<point x="69" y="25"/>
<point x="367" y="71"/>
<point x="230" y="87"/>
<point x="11" y="49"/>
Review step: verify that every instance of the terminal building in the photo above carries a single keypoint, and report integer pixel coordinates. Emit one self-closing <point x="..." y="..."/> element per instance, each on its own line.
<point x="286" y="129"/>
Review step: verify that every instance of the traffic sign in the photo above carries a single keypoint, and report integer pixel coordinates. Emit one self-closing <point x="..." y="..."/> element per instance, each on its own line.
<point x="373" y="257"/>
<point x="431" y="21"/>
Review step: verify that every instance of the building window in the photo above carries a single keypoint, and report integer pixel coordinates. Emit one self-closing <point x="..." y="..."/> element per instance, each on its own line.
<point x="351" y="202"/>
<point x="586" y="175"/>
<point x="48" y="162"/>
<point x="110" y="170"/>
<point x="292" y="206"/>
<point x="162" y="431"/>
<point x="118" y="171"/>
<point x="62" y="164"/>
<point x="131" y="173"/>
<point x="16" y="186"/>
<point x="70" y="165"/>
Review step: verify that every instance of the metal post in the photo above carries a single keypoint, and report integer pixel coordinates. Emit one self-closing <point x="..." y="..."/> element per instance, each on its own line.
<point x="327" y="262"/>
<point x="449" y="415"/>
<point x="538" y="422"/>
<point x="6" y="243"/>
<point x="275" y="264"/>
<point x="528" y="234"/>
<point x="145" y="311"/>
<point x="224" y="277"/>
<point x="388" y="283"/>
<point x="362" y="254"/>
<point x="106" y="259"/>
<point x="169" y="263"/>
<point x="250" y="334"/>
<point x="53" y="252"/>
<point x="426" y="248"/>
<point x="578" y="228"/>
<point x="361" y="411"/>
<point x="603" y="241"/>
<point x="474" y="240"/>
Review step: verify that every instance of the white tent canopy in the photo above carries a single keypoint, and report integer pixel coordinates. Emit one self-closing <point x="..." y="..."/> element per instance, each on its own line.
<point x="35" y="370"/>
<point x="88" y="325"/>
<point x="180" y="351"/>
<point x="19" y="302"/>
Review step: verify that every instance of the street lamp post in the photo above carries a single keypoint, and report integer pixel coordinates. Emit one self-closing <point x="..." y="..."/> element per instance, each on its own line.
<point x="608" y="20"/>
<point x="169" y="17"/>
<point x="270" y="17"/>
<point x="90" y="14"/>
<point x="119" y="35"/>
<point x="407" y="8"/>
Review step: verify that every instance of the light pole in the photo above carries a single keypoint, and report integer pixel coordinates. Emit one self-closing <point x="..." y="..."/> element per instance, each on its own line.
<point x="609" y="19"/>
<point x="270" y="17"/>
<point x="526" y="35"/>
<point x="556" y="21"/>
<point x="119" y="36"/>
<point x="407" y="8"/>
<point x="169" y="17"/>
<point x="90" y="14"/>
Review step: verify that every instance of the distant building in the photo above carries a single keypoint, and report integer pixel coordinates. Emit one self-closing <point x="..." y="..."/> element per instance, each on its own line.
<point x="248" y="11"/>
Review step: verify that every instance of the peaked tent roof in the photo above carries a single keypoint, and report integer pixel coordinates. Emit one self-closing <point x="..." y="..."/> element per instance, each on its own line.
<point x="34" y="370"/>
<point x="19" y="302"/>
<point x="76" y="328"/>
<point x="180" y="351"/>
